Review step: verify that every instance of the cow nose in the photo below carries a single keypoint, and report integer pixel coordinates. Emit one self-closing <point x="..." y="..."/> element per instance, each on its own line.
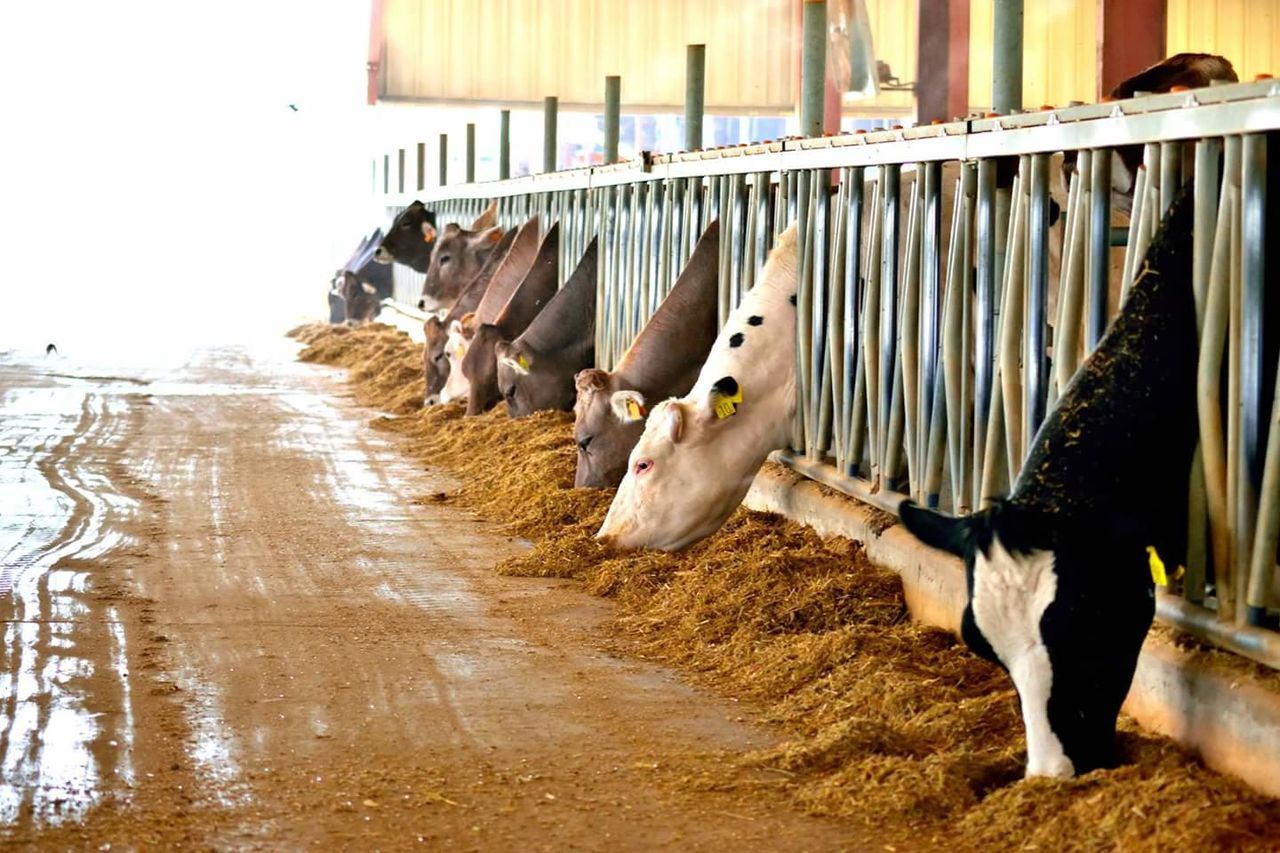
<point x="583" y="442"/>
<point x="431" y="400"/>
<point x="422" y="305"/>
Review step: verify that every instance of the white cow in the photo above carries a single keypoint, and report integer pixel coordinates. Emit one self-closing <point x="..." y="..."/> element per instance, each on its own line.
<point x="699" y="453"/>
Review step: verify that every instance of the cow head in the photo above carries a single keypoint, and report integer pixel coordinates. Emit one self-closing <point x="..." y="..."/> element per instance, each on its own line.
<point x="435" y="359"/>
<point x="359" y="298"/>
<point x="530" y="381"/>
<point x="410" y="239"/>
<point x="1063" y="608"/>
<point x="689" y="471"/>
<point x="458" y="258"/>
<point x="607" y="422"/>
<point x="457" y="342"/>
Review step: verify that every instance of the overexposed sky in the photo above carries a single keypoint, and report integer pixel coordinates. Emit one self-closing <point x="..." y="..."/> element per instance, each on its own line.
<point x="153" y="179"/>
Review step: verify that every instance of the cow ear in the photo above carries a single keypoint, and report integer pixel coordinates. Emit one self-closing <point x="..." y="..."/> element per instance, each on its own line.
<point x="723" y="400"/>
<point x="487" y="238"/>
<point x="673" y="421"/>
<point x="428" y="232"/>
<point x="591" y="379"/>
<point x="510" y="355"/>
<point x="628" y="406"/>
<point x="368" y="288"/>
<point x="487" y="219"/>
<point x="936" y="530"/>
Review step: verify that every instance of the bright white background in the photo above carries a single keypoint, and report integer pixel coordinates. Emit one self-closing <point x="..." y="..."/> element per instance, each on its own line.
<point x="154" y="185"/>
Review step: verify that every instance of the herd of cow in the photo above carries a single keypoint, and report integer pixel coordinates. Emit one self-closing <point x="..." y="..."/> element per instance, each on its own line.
<point x="1059" y="579"/>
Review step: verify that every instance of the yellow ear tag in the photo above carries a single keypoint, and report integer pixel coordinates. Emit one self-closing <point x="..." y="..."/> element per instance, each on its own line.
<point x="522" y="361"/>
<point x="459" y="352"/>
<point x="633" y="410"/>
<point x="726" y="406"/>
<point x="1158" y="574"/>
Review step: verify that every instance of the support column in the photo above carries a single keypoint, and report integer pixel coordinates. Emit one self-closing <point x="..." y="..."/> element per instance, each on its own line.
<point x="504" y="145"/>
<point x="1130" y="37"/>
<point x="612" y="116"/>
<point x="942" y="65"/>
<point x="444" y="159"/>
<point x="471" y="152"/>
<point x="1006" y="57"/>
<point x="813" y="68"/>
<point x="550" y="158"/>
<point x="695" y="78"/>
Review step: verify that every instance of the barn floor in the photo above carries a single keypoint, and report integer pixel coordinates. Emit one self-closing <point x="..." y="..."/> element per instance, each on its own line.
<point x="235" y="623"/>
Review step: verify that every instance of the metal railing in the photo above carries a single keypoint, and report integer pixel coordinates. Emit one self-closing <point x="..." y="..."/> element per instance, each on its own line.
<point x="928" y="352"/>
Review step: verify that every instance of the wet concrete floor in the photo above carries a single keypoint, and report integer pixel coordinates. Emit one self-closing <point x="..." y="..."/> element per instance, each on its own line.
<point x="228" y="623"/>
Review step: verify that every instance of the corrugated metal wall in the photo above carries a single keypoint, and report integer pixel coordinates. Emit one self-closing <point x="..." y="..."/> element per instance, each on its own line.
<point x="1245" y="31"/>
<point x="498" y="50"/>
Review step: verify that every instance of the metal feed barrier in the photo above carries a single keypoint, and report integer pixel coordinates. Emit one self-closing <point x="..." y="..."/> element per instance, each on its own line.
<point x="927" y="351"/>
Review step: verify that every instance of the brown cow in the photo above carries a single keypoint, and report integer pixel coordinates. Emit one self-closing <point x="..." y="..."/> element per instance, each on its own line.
<point x="480" y="365"/>
<point x="536" y="370"/>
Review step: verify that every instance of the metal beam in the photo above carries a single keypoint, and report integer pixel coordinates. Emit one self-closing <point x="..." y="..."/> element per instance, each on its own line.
<point x="695" y="78"/>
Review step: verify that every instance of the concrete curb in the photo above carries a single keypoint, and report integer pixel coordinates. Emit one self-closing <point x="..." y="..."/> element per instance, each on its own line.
<point x="1231" y="722"/>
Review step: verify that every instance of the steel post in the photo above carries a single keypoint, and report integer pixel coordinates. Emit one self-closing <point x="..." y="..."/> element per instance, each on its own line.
<point x="612" y="115"/>
<point x="694" y="95"/>
<point x="444" y="159"/>
<point x="550" y="156"/>
<point x="471" y="152"/>
<point x="813" y="68"/>
<point x="1006" y="56"/>
<point x="504" y="145"/>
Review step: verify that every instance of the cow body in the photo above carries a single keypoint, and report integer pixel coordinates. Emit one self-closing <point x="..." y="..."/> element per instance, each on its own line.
<point x="663" y="361"/>
<point x="698" y="454"/>
<point x="479" y="363"/>
<point x="1060" y="587"/>
<point x="536" y="370"/>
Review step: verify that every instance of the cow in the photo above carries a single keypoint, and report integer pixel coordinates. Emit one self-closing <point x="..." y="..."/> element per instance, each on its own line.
<point x="480" y="364"/>
<point x="410" y="239"/>
<point x="337" y="307"/>
<point x="435" y="329"/>
<point x="699" y="453"/>
<point x="360" y="299"/>
<point x="1059" y="574"/>
<point x="663" y="361"/>
<point x="1182" y="70"/>
<point x="506" y="278"/>
<point x="459" y="255"/>
<point x="536" y="370"/>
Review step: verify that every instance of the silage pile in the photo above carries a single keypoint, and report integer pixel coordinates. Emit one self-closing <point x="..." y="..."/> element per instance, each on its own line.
<point x="889" y="722"/>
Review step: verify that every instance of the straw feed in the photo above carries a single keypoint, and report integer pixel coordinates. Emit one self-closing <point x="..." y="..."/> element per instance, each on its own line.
<point x="887" y="722"/>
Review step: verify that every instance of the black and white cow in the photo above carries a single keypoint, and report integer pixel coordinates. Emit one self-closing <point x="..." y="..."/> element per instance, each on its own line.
<point x="1059" y="576"/>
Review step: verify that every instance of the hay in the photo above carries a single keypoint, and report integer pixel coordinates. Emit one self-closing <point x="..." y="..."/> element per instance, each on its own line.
<point x="889" y="723"/>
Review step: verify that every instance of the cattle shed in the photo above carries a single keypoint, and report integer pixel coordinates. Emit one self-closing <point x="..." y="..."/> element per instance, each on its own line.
<point x="965" y="239"/>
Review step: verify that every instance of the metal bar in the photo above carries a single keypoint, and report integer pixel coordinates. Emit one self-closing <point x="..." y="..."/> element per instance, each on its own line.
<point x="695" y="79"/>
<point x="400" y="173"/>
<point x="1011" y="321"/>
<point x="909" y="338"/>
<point x="890" y="195"/>
<point x="1170" y="174"/>
<point x="612" y="114"/>
<point x="386" y="174"/>
<point x="1034" y="359"/>
<point x="1251" y="244"/>
<point x="871" y="330"/>
<point x="984" y="318"/>
<point x="444" y="159"/>
<point x="804" y="310"/>
<point x="813" y="67"/>
<point x="853" y="413"/>
<point x="1066" y="339"/>
<point x="422" y="166"/>
<point x="930" y="309"/>
<point x="550" y="116"/>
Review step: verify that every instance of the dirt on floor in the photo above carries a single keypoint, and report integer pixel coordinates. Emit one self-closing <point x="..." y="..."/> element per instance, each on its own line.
<point x="889" y="724"/>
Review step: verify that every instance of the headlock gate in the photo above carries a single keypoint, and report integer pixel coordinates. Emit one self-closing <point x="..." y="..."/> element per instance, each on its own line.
<point x="950" y="288"/>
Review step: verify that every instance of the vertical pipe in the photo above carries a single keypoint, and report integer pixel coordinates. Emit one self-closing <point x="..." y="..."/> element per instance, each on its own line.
<point x="852" y="281"/>
<point x="1099" y="247"/>
<point x="444" y="159"/>
<point x="373" y="176"/>
<point x="813" y="68"/>
<point x="1006" y="56"/>
<point x="984" y="318"/>
<point x="891" y="176"/>
<point x="1037" y="295"/>
<point x="550" y="108"/>
<point x="504" y="145"/>
<point x="400" y="173"/>
<point x="612" y="114"/>
<point x="422" y="166"/>
<point x="1170" y="174"/>
<point x="471" y="152"/>
<point x="386" y="174"/>
<point x="930" y="306"/>
<point x="1251" y="241"/>
<point x="695" y="78"/>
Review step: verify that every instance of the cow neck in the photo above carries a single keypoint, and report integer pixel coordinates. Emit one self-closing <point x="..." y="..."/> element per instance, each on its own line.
<point x="537" y="289"/>
<point x="509" y="273"/>
<point x="569" y="319"/>
<point x="675" y="342"/>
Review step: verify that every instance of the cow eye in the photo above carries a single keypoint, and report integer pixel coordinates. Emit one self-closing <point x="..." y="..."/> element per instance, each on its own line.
<point x="444" y="259"/>
<point x="441" y="358"/>
<point x="643" y="466"/>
